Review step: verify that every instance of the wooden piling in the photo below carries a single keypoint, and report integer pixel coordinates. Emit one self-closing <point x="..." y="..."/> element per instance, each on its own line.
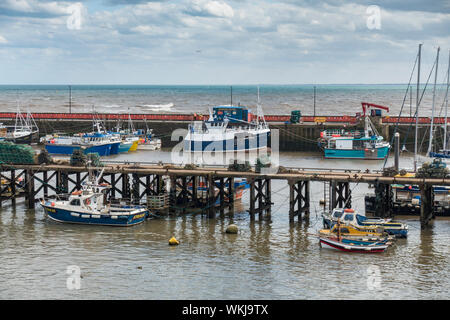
<point x="426" y="205"/>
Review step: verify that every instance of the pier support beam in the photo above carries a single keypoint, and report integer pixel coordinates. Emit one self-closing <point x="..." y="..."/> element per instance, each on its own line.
<point x="383" y="200"/>
<point x="341" y="195"/>
<point x="298" y="200"/>
<point x="29" y="186"/>
<point x="426" y="205"/>
<point x="260" y="198"/>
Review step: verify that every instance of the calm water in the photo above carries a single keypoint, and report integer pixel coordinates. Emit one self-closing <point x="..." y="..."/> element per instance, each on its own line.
<point x="265" y="260"/>
<point x="275" y="99"/>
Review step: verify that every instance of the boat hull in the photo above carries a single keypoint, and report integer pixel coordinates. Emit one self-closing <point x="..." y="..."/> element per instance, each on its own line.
<point x="376" y="154"/>
<point x="346" y="247"/>
<point x="102" y="150"/>
<point x="124" y="147"/>
<point x="26" y="139"/>
<point x="251" y="142"/>
<point x="67" y="216"/>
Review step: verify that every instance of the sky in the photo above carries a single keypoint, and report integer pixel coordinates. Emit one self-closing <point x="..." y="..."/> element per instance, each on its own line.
<point x="219" y="41"/>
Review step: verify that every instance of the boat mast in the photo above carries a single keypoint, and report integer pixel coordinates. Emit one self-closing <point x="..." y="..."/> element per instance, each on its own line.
<point x="446" y="103"/>
<point x="260" y="114"/>
<point x="430" y="143"/>
<point x="417" y="109"/>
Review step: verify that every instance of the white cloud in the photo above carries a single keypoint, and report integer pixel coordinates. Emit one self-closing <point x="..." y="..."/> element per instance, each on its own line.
<point x="3" y="40"/>
<point x="211" y="8"/>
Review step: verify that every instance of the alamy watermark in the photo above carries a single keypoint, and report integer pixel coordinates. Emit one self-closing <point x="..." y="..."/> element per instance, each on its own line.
<point x="74" y="20"/>
<point x="73" y="281"/>
<point x="373" y="21"/>
<point x="373" y="277"/>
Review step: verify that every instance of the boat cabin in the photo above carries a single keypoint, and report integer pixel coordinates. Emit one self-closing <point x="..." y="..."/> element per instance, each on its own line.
<point x="234" y="114"/>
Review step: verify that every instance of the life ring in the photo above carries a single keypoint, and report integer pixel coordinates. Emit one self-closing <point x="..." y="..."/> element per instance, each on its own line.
<point x="88" y="201"/>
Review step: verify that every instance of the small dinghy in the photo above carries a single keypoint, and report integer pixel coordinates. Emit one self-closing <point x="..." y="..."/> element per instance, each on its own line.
<point x="353" y="247"/>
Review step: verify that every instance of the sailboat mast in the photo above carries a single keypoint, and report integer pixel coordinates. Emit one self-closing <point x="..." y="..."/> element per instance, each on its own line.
<point x="446" y="103"/>
<point x="430" y="143"/>
<point x="417" y="109"/>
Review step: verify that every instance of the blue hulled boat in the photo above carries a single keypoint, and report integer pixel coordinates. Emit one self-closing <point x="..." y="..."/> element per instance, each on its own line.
<point x="88" y="206"/>
<point x="102" y="144"/>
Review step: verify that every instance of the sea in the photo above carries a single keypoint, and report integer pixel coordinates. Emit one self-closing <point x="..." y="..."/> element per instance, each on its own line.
<point x="326" y="99"/>
<point x="266" y="260"/>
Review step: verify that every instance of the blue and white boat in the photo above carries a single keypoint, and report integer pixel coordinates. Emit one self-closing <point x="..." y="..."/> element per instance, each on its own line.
<point x="88" y="206"/>
<point x="99" y="141"/>
<point x="348" y="216"/>
<point x="102" y="144"/>
<point x="228" y="129"/>
<point x="355" y="144"/>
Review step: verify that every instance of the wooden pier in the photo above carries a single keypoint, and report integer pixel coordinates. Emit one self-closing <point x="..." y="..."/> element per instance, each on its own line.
<point x="138" y="182"/>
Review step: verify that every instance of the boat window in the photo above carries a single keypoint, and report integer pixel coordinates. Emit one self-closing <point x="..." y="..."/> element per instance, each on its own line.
<point x="344" y="230"/>
<point x="337" y="214"/>
<point x="75" y="202"/>
<point x="332" y="144"/>
<point x="348" y="217"/>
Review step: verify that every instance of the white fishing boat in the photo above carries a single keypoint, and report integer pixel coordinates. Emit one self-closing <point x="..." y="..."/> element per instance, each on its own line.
<point x="24" y="131"/>
<point x="229" y="129"/>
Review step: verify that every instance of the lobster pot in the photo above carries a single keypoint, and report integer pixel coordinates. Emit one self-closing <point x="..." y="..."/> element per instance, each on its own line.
<point x="158" y="202"/>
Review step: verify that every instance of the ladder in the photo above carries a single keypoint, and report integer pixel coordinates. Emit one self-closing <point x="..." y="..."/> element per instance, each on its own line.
<point x="326" y="196"/>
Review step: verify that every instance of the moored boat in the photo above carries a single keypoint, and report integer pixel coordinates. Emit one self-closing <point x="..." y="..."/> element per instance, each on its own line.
<point x="349" y="217"/>
<point x="228" y="129"/>
<point x="342" y="231"/>
<point x="89" y="206"/>
<point x="351" y="247"/>
<point x="356" y="144"/>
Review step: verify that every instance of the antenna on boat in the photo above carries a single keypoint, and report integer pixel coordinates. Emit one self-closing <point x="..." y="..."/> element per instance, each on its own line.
<point x="259" y="111"/>
<point x="99" y="176"/>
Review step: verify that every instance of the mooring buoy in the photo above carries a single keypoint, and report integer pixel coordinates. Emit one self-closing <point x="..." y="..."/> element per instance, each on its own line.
<point x="174" y="242"/>
<point x="232" y="228"/>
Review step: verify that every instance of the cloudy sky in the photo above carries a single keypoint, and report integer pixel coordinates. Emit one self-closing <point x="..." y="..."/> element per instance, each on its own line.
<point x="218" y="41"/>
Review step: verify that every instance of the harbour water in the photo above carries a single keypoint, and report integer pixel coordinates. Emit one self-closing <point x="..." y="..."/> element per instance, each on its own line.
<point x="276" y="99"/>
<point x="265" y="260"/>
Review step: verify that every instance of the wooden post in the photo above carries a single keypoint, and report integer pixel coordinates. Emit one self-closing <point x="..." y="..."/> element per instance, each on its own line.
<point x="12" y="184"/>
<point x="211" y="197"/>
<point x="231" y="191"/>
<point x="268" y="199"/>
<point x="30" y="188"/>
<point x="173" y="193"/>
<point x="426" y="206"/>
<point x="222" y="196"/>
<point x="252" y="199"/>
<point x="291" y="200"/>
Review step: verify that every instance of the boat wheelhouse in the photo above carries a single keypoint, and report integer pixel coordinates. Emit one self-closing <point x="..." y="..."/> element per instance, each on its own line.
<point x="228" y="129"/>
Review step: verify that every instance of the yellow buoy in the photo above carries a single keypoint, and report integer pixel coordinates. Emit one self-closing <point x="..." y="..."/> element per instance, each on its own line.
<point x="174" y="242"/>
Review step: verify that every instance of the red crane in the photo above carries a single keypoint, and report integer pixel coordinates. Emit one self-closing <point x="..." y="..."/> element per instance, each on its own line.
<point x="366" y="105"/>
